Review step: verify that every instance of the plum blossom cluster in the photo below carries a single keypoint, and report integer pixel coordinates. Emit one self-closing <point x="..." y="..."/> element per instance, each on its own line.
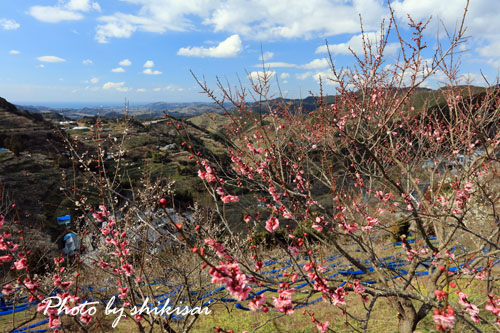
<point x="14" y="251"/>
<point x="493" y="306"/>
<point x="471" y="309"/>
<point x="209" y="175"/>
<point x="283" y="303"/>
<point x="15" y="255"/>
<point x="26" y="281"/>
<point x="444" y="319"/>
<point x="461" y="197"/>
<point x="219" y="248"/>
<point x="229" y="274"/>
<point x="70" y="304"/>
<point x="226" y="198"/>
<point x="115" y="239"/>
<point x="235" y="280"/>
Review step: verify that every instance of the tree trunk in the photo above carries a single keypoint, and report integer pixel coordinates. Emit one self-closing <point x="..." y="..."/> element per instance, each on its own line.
<point x="408" y="318"/>
<point x="407" y="325"/>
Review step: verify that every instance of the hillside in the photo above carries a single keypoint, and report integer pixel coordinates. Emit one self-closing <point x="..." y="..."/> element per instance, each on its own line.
<point x="212" y="122"/>
<point x="37" y="173"/>
<point x="146" y="111"/>
<point x="30" y="174"/>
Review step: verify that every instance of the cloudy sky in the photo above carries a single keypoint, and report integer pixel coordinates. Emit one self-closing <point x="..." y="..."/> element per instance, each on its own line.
<point x="71" y="51"/>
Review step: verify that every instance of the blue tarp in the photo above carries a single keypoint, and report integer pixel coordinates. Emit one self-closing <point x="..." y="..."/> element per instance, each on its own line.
<point x="64" y="220"/>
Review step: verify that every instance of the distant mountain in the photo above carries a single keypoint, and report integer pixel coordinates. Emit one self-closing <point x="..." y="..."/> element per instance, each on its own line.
<point x="186" y="110"/>
<point x="152" y="110"/>
<point x="160" y="106"/>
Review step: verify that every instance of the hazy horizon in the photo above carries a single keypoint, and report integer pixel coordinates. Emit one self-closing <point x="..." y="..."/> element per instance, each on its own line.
<point x="78" y="105"/>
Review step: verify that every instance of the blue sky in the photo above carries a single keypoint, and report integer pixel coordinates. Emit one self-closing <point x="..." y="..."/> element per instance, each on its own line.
<point x="70" y="51"/>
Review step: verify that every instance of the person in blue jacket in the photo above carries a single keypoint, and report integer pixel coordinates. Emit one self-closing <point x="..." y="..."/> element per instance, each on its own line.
<point x="71" y="244"/>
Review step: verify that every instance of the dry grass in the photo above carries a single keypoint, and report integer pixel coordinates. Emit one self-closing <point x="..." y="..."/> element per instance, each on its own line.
<point x="225" y="315"/>
<point x="383" y="319"/>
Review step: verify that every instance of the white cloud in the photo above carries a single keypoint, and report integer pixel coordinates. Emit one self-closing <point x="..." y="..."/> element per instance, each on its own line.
<point x="113" y="28"/>
<point x="491" y="50"/>
<point x="41" y="66"/>
<point x="322" y="49"/>
<point x="356" y="44"/>
<point x="434" y="79"/>
<point x="391" y="49"/>
<point x="171" y="87"/>
<point x="13" y="52"/>
<point x="141" y="90"/>
<point x="303" y="76"/>
<point x="157" y="89"/>
<point x="316" y="64"/>
<point x="266" y="56"/>
<point x="9" y="24"/>
<point x="119" y="86"/>
<point x="480" y="20"/>
<point x="284" y="75"/>
<point x="313" y="64"/>
<point x="155" y="16"/>
<point x="257" y="19"/>
<point x="91" y="88"/>
<point x="294" y="18"/>
<point x="68" y="11"/>
<point x="325" y="77"/>
<point x="51" y="14"/>
<point x="149" y="64"/>
<point x="112" y="85"/>
<point x="87" y="62"/>
<point x="225" y="49"/>
<point x="480" y="13"/>
<point x="253" y="19"/>
<point x="125" y="62"/>
<point x="495" y="63"/>
<point x="94" y="80"/>
<point x="276" y="64"/>
<point x="151" y="72"/>
<point x="51" y="59"/>
<point x="118" y="70"/>
<point x="259" y="75"/>
<point x="472" y="78"/>
<point x="82" y="5"/>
